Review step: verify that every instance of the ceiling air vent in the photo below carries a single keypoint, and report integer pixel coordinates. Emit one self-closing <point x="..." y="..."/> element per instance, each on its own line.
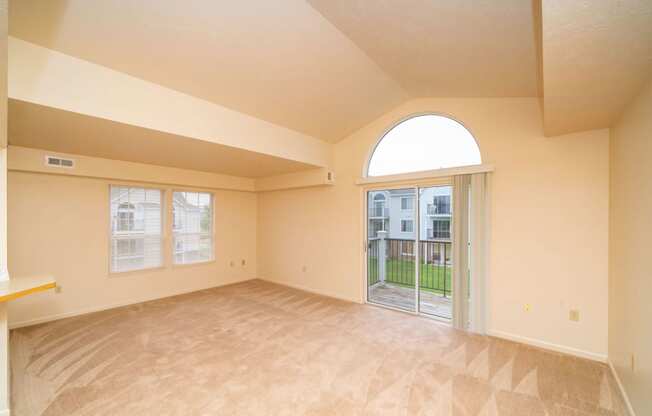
<point x="59" y="162"/>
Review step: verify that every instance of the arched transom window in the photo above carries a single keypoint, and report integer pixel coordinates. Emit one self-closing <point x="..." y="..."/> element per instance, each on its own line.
<point x="421" y="143"/>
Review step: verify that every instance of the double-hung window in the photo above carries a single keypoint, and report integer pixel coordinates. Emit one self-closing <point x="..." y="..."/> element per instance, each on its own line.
<point x="442" y="204"/>
<point x="192" y="227"/>
<point x="407" y="226"/>
<point x="136" y="228"/>
<point x="441" y="229"/>
<point x="407" y="203"/>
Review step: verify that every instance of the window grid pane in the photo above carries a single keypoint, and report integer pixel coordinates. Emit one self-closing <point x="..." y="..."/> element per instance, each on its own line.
<point x="193" y="227"/>
<point x="407" y="226"/>
<point x="136" y="228"/>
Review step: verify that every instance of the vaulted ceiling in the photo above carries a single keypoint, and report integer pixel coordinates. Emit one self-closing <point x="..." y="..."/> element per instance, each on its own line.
<point x="325" y="68"/>
<point x="597" y="55"/>
<point x="461" y="48"/>
<point x="280" y="61"/>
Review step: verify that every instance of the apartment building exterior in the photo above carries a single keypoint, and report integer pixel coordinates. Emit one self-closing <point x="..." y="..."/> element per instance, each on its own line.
<point x="394" y="211"/>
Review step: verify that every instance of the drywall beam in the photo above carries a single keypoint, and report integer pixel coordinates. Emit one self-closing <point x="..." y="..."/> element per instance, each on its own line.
<point x="49" y="78"/>
<point x="23" y="159"/>
<point x="303" y="179"/>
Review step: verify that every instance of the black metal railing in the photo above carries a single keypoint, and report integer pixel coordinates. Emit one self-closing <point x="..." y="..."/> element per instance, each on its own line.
<point x="435" y="265"/>
<point x="372" y="261"/>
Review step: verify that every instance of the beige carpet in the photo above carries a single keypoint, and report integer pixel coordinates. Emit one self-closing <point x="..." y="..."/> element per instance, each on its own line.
<point x="261" y="349"/>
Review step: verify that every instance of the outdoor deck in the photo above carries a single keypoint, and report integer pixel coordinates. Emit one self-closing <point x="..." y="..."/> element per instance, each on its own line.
<point x="403" y="297"/>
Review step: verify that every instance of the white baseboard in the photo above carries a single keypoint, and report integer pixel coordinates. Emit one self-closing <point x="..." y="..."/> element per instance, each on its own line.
<point x="549" y="346"/>
<point x="5" y="412"/>
<point x="622" y="389"/>
<point x="84" y="311"/>
<point x="311" y="290"/>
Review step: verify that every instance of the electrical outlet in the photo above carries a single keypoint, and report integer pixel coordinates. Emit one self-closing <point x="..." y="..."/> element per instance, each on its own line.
<point x="527" y="307"/>
<point x="58" y="289"/>
<point x="304" y="269"/>
<point x="231" y="263"/>
<point x="574" y="315"/>
<point x="244" y="262"/>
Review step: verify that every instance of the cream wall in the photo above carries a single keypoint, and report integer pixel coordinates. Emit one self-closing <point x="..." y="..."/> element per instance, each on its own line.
<point x="4" y="334"/>
<point x="550" y="223"/>
<point x="59" y="225"/>
<point x="630" y="268"/>
<point x="548" y="245"/>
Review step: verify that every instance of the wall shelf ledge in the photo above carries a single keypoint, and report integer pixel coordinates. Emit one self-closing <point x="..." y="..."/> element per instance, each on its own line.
<point x="15" y="288"/>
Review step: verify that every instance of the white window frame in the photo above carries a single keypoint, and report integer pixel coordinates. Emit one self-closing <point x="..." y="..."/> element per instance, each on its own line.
<point x="161" y="234"/>
<point x="407" y="198"/>
<point x="437" y="230"/>
<point x="174" y="234"/>
<point x="406" y="221"/>
<point x="434" y="204"/>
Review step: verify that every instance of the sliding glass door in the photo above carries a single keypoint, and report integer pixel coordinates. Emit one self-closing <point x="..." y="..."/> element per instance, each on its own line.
<point x="435" y="248"/>
<point x="391" y="248"/>
<point x="406" y="227"/>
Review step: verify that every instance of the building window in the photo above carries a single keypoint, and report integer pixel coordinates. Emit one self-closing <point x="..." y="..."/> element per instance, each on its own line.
<point x="377" y="206"/>
<point x="376" y="225"/>
<point x="126" y="217"/>
<point x="442" y="204"/>
<point x="441" y="229"/>
<point x="407" y="226"/>
<point x="192" y="227"/>
<point x="136" y="228"/>
<point x="407" y="203"/>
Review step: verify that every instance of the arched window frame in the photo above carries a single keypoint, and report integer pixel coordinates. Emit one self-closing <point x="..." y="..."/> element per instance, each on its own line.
<point x="366" y="178"/>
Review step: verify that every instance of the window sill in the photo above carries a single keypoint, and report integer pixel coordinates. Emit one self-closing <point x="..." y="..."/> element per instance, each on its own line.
<point x="159" y="269"/>
<point x="136" y="271"/>
<point x="18" y="287"/>
<point x="196" y="263"/>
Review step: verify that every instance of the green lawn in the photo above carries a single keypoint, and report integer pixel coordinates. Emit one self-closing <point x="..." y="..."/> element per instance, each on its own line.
<point x="401" y="272"/>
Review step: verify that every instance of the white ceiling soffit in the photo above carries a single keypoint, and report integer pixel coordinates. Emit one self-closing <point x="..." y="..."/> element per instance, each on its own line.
<point x="278" y="61"/>
<point x="461" y="48"/>
<point x="47" y="128"/>
<point x="596" y="56"/>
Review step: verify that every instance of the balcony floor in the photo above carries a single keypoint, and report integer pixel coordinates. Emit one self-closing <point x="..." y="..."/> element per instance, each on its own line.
<point x="403" y="298"/>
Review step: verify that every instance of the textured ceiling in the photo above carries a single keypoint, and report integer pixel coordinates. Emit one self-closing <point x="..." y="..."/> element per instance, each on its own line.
<point x="39" y="127"/>
<point x="328" y="67"/>
<point x="285" y="63"/>
<point x="461" y="48"/>
<point x="278" y="61"/>
<point x="597" y="55"/>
